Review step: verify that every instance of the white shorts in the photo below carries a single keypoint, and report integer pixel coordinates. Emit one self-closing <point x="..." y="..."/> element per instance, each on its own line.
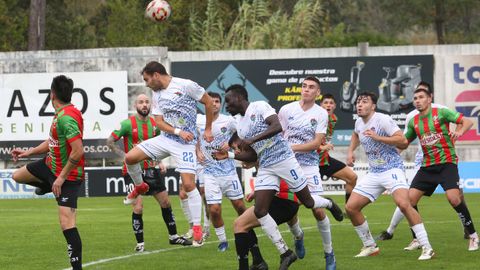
<point x="160" y="147"/>
<point x="228" y="186"/>
<point x="312" y="173"/>
<point x="373" y="185"/>
<point x="268" y="178"/>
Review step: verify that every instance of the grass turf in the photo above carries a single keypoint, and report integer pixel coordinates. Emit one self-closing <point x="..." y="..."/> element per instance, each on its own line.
<point x="31" y="238"/>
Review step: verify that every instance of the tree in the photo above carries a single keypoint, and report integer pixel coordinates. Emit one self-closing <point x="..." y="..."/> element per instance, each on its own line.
<point x="36" y="25"/>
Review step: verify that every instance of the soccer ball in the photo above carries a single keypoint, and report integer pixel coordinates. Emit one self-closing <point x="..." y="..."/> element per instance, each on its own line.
<point x="158" y="10"/>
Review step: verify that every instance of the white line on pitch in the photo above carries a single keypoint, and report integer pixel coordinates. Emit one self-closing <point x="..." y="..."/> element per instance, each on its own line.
<point x="213" y="242"/>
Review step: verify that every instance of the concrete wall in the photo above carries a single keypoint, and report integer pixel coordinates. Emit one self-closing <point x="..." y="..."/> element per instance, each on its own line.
<point x="133" y="60"/>
<point x="465" y="152"/>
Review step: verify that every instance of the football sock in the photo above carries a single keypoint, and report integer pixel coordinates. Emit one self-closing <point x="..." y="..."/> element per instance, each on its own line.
<point x="169" y="220"/>
<point x="137" y="225"/>
<point x="364" y="233"/>
<point x="464" y="216"/>
<point x="220" y="232"/>
<point x="321" y="202"/>
<point x="396" y="218"/>
<point x="241" y="245"/>
<point x="186" y="210"/>
<point x="421" y="234"/>
<point x="324" y="229"/>
<point x="296" y="230"/>
<point x="253" y="247"/>
<point x="195" y="206"/>
<point x="271" y="230"/>
<point x="413" y="233"/>
<point x="135" y="172"/>
<point x="74" y="247"/>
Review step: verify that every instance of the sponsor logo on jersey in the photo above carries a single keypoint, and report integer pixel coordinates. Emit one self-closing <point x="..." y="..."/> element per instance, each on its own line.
<point x="431" y="138"/>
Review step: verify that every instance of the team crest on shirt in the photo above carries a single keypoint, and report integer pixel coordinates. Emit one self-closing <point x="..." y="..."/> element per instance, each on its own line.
<point x="181" y="121"/>
<point x="178" y="93"/>
<point x="252" y="117"/>
<point x="313" y="122"/>
<point x="291" y="118"/>
<point x="435" y="120"/>
<point x="223" y="129"/>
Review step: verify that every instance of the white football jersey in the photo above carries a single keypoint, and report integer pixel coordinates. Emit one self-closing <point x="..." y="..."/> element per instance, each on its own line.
<point x="300" y="127"/>
<point x="381" y="156"/>
<point x="178" y="106"/>
<point x="269" y="151"/>
<point x="410" y="115"/>
<point x="222" y="130"/>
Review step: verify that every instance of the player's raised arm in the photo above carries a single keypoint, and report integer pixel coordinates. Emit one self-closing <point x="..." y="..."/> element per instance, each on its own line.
<point x="39" y="149"/>
<point x="208" y="102"/>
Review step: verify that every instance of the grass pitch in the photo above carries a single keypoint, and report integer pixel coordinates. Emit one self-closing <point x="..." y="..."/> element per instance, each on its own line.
<point x="31" y="238"/>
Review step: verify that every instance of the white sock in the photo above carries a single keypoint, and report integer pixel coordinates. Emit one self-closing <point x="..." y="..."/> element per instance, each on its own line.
<point x="195" y="206"/>
<point x="474" y="235"/>
<point x="421" y="235"/>
<point x="222" y="237"/>
<point x="186" y="210"/>
<point x="296" y="230"/>
<point x="324" y="229"/>
<point x="135" y="172"/>
<point x="396" y="218"/>
<point x="321" y="202"/>
<point x="271" y="229"/>
<point x="364" y="233"/>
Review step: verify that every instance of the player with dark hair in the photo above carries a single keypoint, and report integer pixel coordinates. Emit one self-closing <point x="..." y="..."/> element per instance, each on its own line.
<point x="62" y="170"/>
<point x="283" y="208"/>
<point x="439" y="165"/>
<point x="220" y="176"/>
<point x="380" y="136"/>
<point x="304" y="126"/>
<point x="258" y="126"/>
<point x="330" y="167"/>
<point x="134" y="130"/>
<point x="174" y="107"/>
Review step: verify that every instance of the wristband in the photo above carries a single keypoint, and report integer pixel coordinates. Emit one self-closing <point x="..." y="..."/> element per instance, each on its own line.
<point x="231" y="155"/>
<point x="176" y="131"/>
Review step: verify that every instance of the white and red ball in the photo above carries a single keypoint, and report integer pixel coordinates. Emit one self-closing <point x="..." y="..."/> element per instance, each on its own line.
<point x="158" y="10"/>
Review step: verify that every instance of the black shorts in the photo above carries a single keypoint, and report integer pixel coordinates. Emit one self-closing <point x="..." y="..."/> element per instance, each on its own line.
<point x="282" y="210"/>
<point x="329" y="170"/>
<point x="154" y="179"/>
<point x="69" y="193"/>
<point x="428" y="178"/>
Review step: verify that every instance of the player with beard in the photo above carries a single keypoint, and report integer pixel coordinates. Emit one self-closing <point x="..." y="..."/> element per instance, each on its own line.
<point x="134" y="130"/>
<point x="380" y="137"/>
<point x="174" y="107"/>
